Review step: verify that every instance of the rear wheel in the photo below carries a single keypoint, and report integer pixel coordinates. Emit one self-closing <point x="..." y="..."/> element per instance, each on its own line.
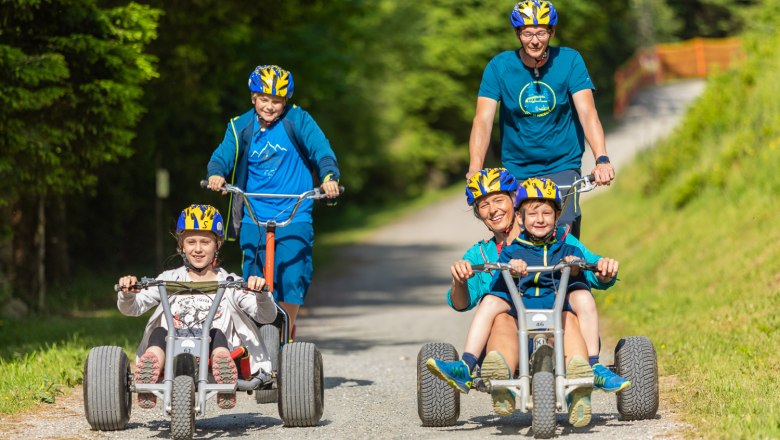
<point x="635" y="359"/>
<point x="271" y="336"/>
<point x="107" y="396"/>
<point x="183" y="408"/>
<point x="300" y="381"/>
<point x="543" y="412"/>
<point x="437" y="403"/>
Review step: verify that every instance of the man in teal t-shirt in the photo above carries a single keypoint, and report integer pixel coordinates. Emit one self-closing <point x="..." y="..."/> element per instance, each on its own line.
<point x="547" y="109"/>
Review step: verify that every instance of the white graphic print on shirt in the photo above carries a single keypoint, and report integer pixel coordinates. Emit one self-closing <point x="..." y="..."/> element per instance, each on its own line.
<point x="189" y="312"/>
<point x="267" y="158"/>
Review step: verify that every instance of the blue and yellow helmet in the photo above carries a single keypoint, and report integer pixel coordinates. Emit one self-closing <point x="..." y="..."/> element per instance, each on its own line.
<point x="201" y="218"/>
<point x="538" y="188"/>
<point x="533" y="13"/>
<point x="272" y="80"/>
<point x="488" y="181"/>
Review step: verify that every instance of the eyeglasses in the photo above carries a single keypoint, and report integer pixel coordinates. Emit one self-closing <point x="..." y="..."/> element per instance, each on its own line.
<point x="541" y="35"/>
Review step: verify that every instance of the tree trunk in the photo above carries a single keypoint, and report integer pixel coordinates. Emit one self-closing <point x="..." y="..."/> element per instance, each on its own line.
<point x="22" y="274"/>
<point x="40" y="263"/>
<point x="57" y="249"/>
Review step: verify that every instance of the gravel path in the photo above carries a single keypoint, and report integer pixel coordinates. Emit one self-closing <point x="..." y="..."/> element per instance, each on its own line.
<point x="370" y="314"/>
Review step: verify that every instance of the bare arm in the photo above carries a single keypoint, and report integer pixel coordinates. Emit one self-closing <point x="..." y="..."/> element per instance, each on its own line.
<point x="481" y="129"/>
<point x="594" y="134"/>
<point x="459" y="294"/>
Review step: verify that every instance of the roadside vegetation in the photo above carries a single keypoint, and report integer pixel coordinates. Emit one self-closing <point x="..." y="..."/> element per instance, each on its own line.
<point x="694" y="225"/>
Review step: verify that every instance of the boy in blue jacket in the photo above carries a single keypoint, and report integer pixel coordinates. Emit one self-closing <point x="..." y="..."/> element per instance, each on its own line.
<point x="276" y="148"/>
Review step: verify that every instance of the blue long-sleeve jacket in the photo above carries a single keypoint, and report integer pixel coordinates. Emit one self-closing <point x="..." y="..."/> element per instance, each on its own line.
<point x="486" y="251"/>
<point x="548" y="254"/>
<point x="230" y="160"/>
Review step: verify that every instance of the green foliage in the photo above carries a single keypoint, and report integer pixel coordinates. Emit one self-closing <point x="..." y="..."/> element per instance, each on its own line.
<point x="735" y="119"/>
<point x="39" y="362"/>
<point x="70" y="82"/>
<point x="696" y="238"/>
<point x="713" y="18"/>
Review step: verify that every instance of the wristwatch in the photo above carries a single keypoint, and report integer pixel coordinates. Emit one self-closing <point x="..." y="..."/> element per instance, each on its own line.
<point x="602" y="159"/>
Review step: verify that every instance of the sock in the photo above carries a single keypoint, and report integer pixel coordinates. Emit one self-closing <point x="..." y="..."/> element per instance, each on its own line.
<point x="593" y="360"/>
<point x="470" y="360"/>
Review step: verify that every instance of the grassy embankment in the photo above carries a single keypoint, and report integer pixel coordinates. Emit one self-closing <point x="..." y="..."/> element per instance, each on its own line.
<point x="695" y="226"/>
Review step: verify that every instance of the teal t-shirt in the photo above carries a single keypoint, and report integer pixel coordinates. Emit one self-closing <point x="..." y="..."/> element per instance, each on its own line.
<point x="540" y="131"/>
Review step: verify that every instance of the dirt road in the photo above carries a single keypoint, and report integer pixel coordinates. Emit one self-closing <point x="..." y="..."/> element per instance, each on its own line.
<point x="371" y="313"/>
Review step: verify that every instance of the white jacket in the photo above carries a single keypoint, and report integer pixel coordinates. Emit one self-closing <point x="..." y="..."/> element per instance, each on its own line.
<point x="245" y="310"/>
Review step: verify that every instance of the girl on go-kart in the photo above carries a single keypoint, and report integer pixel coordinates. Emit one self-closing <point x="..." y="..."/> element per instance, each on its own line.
<point x="199" y="234"/>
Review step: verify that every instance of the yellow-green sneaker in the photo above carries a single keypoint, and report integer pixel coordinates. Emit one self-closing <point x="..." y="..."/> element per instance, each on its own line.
<point x="494" y="366"/>
<point x="579" y="399"/>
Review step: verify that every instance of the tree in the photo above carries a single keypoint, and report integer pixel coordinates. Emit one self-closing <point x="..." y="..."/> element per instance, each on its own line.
<point x="70" y="84"/>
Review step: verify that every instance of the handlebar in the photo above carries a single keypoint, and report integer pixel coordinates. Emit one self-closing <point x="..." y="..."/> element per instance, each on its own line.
<point x="314" y="194"/>
<point x="583" y="184"/>
<point x="582" y="264"/>
<point x="193" y="287"/>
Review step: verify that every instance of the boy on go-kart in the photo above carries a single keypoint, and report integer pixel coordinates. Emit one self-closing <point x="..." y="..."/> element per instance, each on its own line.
<point x="492" y="191"/>
<point x="199" y="233"/>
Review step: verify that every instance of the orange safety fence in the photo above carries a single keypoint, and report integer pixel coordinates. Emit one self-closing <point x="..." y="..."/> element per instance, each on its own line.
<point x="695" y="58"/>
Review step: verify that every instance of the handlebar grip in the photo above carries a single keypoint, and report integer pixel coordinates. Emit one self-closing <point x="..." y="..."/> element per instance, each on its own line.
<point x="341" y="189"/>
<point x="118" y="288"/>
<point x="204" y="183"/>
<point x="591" y="178"/>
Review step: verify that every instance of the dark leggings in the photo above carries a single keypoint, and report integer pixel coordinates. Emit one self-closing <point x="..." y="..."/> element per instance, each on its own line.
<point x="157" y="339"/>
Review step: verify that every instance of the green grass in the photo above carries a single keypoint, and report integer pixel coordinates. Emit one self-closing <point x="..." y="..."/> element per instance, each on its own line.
<point x="694" y="225"/>
<point x="704" y="284"/>
<point x="41" y="357"/>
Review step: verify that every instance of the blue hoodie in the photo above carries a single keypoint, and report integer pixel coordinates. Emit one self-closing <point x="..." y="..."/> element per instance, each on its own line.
<point x="230" y="159"/>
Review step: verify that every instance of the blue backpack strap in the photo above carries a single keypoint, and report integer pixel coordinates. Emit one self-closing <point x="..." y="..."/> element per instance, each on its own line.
<point x="292" y="133"/>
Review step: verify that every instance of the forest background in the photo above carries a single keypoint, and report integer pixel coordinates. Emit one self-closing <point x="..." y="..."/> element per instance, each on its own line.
<point x="98" y="97"/>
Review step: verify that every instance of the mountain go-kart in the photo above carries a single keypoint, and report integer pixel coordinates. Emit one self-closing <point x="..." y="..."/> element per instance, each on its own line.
<point x="541" y="386"/>
<point x="186" y="381"/>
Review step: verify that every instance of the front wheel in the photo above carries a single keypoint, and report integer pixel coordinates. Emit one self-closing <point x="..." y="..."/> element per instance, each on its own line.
<point x="543" y="412"/>
<point x="107" y="396"/>
<point x="635" y="359"/>
<point x="183" y="408"/>
<point x="438" y="404"/>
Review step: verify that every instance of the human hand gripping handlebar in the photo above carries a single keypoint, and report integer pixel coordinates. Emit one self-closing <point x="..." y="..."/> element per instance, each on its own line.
<point x="271" y="224"/>
<point x="578" y="262"/>
<point x="192" y="287"/>
<point x="313" y="194"/>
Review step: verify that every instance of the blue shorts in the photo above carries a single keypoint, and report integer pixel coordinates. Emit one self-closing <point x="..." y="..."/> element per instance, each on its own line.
<point x="571" y="215"/>
<point x="542" y="301"/>
<point x="292" y="259"/>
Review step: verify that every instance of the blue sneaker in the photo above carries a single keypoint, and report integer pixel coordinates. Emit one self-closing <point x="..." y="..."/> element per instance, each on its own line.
<point x="604" y="379"/>
<point x="455" y="373"/>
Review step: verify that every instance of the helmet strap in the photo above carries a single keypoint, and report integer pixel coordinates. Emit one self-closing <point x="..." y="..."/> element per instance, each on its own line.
<point x="202" y="270"/>
<point x="540" y="60"/>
